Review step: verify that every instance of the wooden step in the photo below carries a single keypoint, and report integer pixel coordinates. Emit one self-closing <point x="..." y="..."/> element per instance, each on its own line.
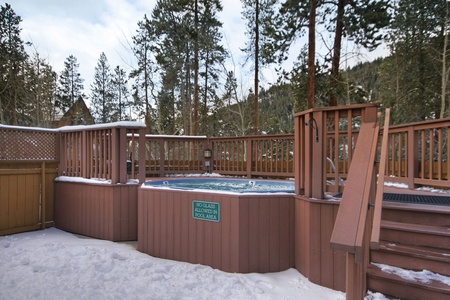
<point x="415" y="234"/>
<point x="393" y="285"/>
<point x="413" y="257"/>
<point x="417" y="214"/>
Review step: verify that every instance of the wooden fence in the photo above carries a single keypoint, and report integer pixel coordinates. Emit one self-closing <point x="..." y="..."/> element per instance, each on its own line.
<point x="28" y="167"/>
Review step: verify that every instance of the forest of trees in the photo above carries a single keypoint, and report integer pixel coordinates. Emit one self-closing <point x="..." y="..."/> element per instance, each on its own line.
<point x="180" y="84"/>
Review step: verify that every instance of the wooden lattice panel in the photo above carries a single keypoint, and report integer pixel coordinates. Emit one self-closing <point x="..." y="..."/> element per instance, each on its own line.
<point x="27" y="145"/>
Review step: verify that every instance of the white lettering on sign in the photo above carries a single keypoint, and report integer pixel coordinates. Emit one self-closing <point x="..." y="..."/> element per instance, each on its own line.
<point x="206" y="211"/>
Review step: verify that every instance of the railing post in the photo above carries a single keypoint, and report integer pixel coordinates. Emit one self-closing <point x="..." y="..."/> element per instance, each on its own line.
<point x="141" y="155"/>
<point x="115" y="157"/>
<point x="249" y="152"/>
<point x="308" y="157"/>
<point x="83" y="158"/>
<point x="162" y="158"/>
<point x="43" y="195"/>
<point x="297" y="154"/>
<point x="318" y="171"/>
<point x="122" y="155"/>
<point x="413" y="156"/>
<point x="62" y="154"/>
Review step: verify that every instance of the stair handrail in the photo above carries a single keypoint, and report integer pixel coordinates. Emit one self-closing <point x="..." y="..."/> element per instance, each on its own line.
<point x="378" y="204"/>
<point x="352" y="229"/>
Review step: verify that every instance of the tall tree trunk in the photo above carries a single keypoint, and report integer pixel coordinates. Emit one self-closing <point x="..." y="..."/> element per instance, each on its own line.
<point x="147" y="104"/>
<point x="196" y="100"/>
<point x="311" y="54"/>
<point x="205" y="97"/>
<point x="445" y="74"/>
<point x="255" y="127"/>
<point x="336" y="59"/>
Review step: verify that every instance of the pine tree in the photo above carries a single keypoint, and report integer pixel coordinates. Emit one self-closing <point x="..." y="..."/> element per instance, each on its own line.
<point x="119" y="85"/>
<point x="256" y="12"/>
<point x="411" y="76"/>
<point x="361" y="20"/>
<point x="12" y="67"/>
<point x="102" y="93"/>
<point x="143" y="86"/>
<point x="41" y="82"/>
<point x="186" y="38"/>
<point x="70" y="84"/>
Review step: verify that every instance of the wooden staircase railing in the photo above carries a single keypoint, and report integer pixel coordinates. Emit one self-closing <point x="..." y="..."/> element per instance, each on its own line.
<point x="353" y="222"/>
<point x="378" y="205"/>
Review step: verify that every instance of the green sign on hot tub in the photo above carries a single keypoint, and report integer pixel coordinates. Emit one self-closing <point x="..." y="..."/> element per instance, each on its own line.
<point x="206" y="211"/>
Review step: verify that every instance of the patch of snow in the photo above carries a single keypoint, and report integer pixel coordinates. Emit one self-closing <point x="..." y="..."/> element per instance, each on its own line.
<point x="424" y="276"/>
<point x="128" y="124"/>
<point x="433" y="190"/>
<point x="53" y="264"/>
<point x="82" y="180"/>
<point x="396" y="184"/>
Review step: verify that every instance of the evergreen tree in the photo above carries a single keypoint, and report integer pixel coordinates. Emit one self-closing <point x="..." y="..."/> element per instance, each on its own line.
<point x="411" y="76"/>
<point x="143" y="85"/>
<point x="70" y="84"/>
<point x="186" y="38"/>
<point x="212" y="56"/>
<point x="235" y="117"/>
<point x="256" y="12"/>
<point x="277" y="110"/>
<point x="119" y="85"/>
<point x="361" y="20"/>
<point x="102" y="98"/>
<point x="41" y="82"/>
<point x="12" y="67"/>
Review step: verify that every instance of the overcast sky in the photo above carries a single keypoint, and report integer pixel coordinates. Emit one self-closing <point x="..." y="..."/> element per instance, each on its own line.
<point x="86" y="28"/>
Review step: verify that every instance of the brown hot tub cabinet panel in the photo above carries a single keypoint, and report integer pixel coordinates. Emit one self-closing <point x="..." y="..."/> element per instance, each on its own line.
<point x="231" y="232"/>
<point x="104" y="211"/>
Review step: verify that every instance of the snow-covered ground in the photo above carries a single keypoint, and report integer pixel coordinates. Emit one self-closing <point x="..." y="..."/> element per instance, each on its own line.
<point x="53" y="264"/>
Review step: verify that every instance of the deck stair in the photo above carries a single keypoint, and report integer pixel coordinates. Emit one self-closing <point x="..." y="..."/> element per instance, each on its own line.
<point x="413" y="237"/>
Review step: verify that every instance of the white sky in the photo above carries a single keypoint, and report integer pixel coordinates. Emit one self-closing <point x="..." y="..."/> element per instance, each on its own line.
<point x="86" y="28"/>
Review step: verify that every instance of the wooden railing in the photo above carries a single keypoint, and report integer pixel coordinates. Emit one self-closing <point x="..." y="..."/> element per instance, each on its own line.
<point x="419" y="154"/>
<point x="325" y="139"/>
<point x="268" y="156"/>
<point x="174" y="154"/>
<point x="100" y="151"/>
<point x="263" y="155"/>
<point x="353" y="225"/>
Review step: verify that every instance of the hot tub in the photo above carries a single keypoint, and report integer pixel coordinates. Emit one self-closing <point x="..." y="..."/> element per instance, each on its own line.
<point x="238" y="229"/>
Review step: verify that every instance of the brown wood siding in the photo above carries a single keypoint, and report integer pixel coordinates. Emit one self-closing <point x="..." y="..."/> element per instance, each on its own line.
<point x="21" y="193"/>
<point x="97" y="210"/>
<point x="255" y="233"/>
<point x="313" y="256"/>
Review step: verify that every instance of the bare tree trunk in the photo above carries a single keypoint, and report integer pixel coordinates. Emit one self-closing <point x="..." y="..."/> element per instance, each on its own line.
<point x="195" y="129"/>
<point x="312" y="54"/>
<point x="445" y="71"/>
<point x="255" y="127"/>
<point x="335" y="61"/>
